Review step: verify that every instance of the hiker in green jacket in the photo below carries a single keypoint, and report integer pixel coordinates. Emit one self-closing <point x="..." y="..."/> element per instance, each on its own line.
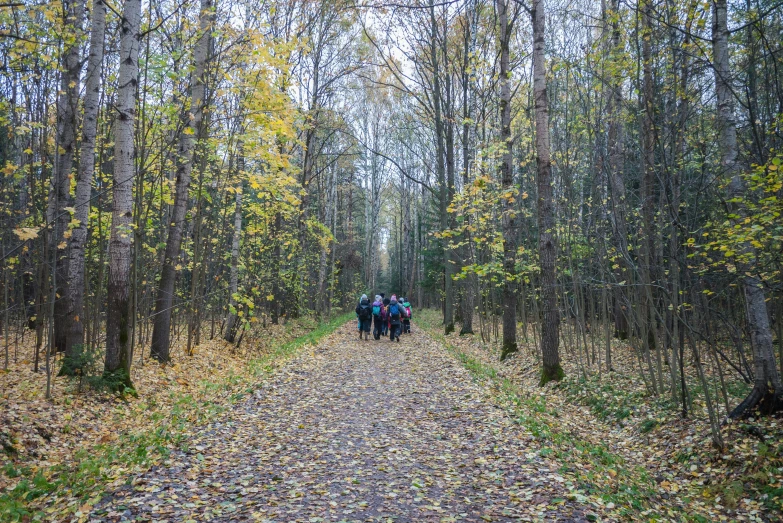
<point x="406" y="321"/>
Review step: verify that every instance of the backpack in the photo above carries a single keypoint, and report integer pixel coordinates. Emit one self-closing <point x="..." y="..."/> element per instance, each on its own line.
<point x="394" y="311"/>
<point x="376" y="311"/>
<point x="408" y="312"/>
<point x="364" y="312"/>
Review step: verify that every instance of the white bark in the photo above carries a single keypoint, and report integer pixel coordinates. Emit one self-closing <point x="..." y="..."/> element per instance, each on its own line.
<point x="233" y="285"/>
<point x="767" y="379"/>
<point x="75" y="290"/>
<point x="118" y="295"/>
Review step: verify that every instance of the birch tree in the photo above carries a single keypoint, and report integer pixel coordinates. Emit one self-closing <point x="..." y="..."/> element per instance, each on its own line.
<point x="75" y="289"/>
<point x="767" y="388"/>
<point x="118" y="322"/>
<point x="233" y="285"/>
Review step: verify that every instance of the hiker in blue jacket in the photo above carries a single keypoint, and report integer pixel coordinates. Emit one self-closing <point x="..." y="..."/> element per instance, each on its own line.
<point x="396" y="313"/>
<point x="364" y="314"/>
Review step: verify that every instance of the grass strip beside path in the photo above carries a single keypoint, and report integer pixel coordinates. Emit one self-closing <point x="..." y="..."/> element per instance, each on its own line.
<point x="265" y="364"/>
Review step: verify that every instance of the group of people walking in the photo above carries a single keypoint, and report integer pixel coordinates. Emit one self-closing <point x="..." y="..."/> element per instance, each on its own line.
<point x="385" y="316"/>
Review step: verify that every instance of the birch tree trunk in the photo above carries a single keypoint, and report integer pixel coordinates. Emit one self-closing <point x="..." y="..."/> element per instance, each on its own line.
<point x="767" y="390"/>
<point x="67" y="124"/>
<point x="233" y="283"/>
<point x="118" y="323"/>
<point x="74" y="297"/>
<point x="507" y="181"/>
<point x="233" y="286"/>
<point x="547" y="241"/>
<point x="191" y="117"/>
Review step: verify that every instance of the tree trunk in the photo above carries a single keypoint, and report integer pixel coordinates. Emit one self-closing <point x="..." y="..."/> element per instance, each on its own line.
<point x="448" y="287"/>
<point x="118" y="289"/>
<point x="469" y="283"/>
<point x="767" y="390"/>
<point x="619" y="204"/>
<point x="450" y="255"/>
<point x="647" y="236"/>
<point x="507" y="181"/>
<point x="233" y="286"/>
<point x="75" y="290"/>
<point x="67" y="125"/>
<point x="276" y="254"/>
<point x="547" y="241"/>
<point x="191" y="118"/>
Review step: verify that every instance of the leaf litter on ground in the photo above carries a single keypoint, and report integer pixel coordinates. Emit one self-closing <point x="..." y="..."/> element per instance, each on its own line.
<point x="358" y="431"/>
<point x="59" y="455"/>
<point x="629" y="449"/>
<point x="371" y="431"/>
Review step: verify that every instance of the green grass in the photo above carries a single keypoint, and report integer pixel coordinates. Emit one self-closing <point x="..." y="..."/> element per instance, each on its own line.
<point x="93" y="467"/>
<point x="607" y="402"/>
<point x="648" y="425"/>
<point x="264" y="365"/>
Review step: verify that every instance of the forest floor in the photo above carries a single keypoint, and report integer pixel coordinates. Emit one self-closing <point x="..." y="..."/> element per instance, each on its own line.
<point x="59" y="455"/>
<point x="330" y="428"/>
<point x="359" y="431"/>
<point x="628" y="448"/>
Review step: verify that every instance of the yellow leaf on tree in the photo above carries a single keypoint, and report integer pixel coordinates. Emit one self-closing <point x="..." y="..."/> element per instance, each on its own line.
<point x="9" y="169"/>
<point x="27" y="233"/>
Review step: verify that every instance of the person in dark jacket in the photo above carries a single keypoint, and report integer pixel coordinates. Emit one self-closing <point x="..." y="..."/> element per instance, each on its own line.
<point x="364" y="313"/>
<point x="396" y="313"/>
<point x="385" y="323"/>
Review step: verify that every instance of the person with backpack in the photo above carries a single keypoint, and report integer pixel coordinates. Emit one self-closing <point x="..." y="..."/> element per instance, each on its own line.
<point x="385" y="323"/>
<point x="396" y="314"/>
<point x="364" y="313"/>
<point x="378" y="317"/>
<point x="406" y="322"/>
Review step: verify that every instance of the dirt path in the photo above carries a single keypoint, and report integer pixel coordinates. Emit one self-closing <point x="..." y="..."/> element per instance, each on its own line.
<point x="356" y="431"/>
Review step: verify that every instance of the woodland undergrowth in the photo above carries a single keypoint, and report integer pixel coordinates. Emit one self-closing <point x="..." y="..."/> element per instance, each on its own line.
<point x="60" y="455"/>
<point x="627" y="449"/>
